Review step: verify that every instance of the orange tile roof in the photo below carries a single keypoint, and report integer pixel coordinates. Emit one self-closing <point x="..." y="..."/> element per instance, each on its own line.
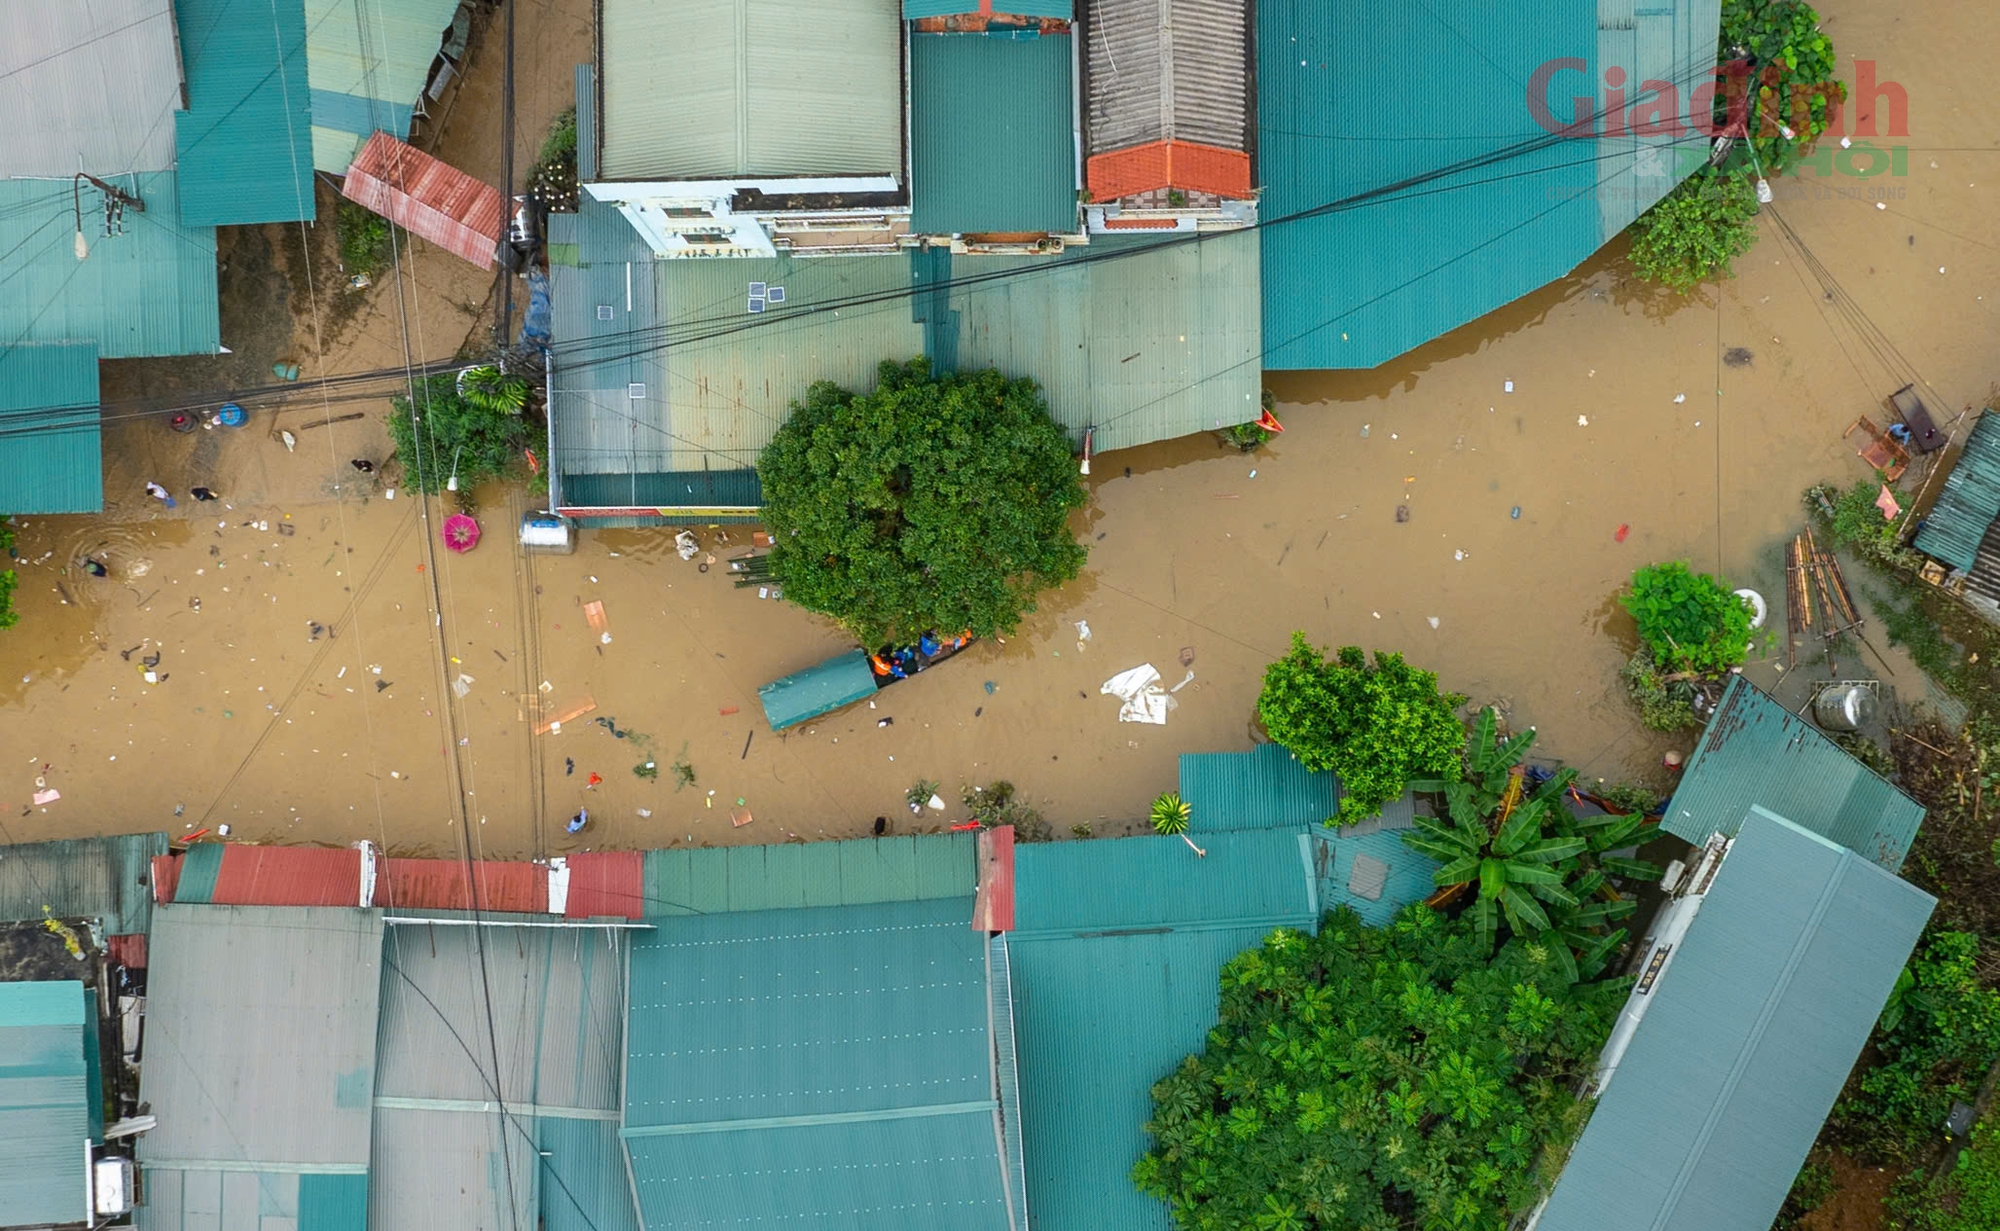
<point x="1168" y="164"/>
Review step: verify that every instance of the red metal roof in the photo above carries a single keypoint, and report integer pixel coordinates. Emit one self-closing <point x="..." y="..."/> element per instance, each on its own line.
<point x="1168" y="164"/>
<point x="993" y="908"/>
<point x="428" y="198"/>
<point x="166" y="875"/>
<point x="288" y="876"/>
<point x="128" y="951"/>
<point x="607" y="883"/>
<point x="442" y="884"/>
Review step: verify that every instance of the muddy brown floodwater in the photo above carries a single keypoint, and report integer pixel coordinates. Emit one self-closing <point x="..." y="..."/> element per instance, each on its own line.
<point x="1623" y="413"/>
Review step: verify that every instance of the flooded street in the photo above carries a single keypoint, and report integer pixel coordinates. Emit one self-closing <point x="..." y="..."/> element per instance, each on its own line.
<point x="1624" y="413"/>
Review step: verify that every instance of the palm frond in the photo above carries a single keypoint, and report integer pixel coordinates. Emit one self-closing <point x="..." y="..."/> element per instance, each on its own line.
<point x="1524" y="906"/>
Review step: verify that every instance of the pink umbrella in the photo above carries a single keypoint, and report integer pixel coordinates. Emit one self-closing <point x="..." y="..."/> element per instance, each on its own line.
<point x="461" y="533"/>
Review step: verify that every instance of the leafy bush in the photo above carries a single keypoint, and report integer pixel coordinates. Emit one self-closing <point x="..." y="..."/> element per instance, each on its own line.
<point x="1693" y="233"/>
<point x="1810" y="1189"/>
<point x="1170" y="814"/>
<point x="1376" y="725"/>
<point x="8" y="616"/>
<point x="994" y="804"/>
<point x="1376" y="1079"/>
<point x="1938" y="1033"/>
<point x="367" y="240"/>
<point x="1968" y="1199"/>
<point x="1795" y="75"/>
<point x="454" y="432"/>
<point x="1664" y="705"/>
<point x="1856" y="522"/>
<point x="934" y="503"/>
<point x="1527" y="857"/>
<point x="553" y="177"/>
<point x="1690" y="621"/>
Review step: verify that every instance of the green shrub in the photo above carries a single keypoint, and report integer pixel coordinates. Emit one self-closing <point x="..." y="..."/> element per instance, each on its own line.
<point x="1664" y="705"/>
<point x="1378" y="725"/>
<point x="457" y="436"/>
<point x="8" y="616"/>
<point x="1376" y="1078"/>
<point x="1966" y="1200"/>
<point x="1693" y="233"/>
<point x="367" y="240"/>
<point x="553" y="177"/>
<point x="1784" y="38"/>
<point x="1857" y="523"/>
<point x="994" y="804"/>
<point x="1810" y="1189"/>
<point x="1939" y="1031"/>
<point x="1689" y="621"/>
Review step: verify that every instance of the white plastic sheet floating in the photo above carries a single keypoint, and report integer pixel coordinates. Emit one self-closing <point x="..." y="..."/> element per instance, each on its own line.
<point x="1142" y="697"/>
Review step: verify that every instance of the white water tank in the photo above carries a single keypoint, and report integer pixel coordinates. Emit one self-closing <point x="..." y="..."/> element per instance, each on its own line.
<point x="544" y="533"/>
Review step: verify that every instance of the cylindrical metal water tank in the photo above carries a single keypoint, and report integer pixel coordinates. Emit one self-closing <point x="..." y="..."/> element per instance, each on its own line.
<point x="1844" y="707"/>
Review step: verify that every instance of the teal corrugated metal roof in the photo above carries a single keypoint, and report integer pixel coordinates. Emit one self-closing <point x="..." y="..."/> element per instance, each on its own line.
<point x="57" y="465"/>
<point x="992" y="134"/>
<point x="244" y="146"/>
<point x="1405" y="874"/>
<point x="1256" y="877"/>
<point x="1338" y="83"/>
<point x="583" y="1183"/>
<point x="805" y="695"/>
<point x="1753" y="1026"/>
<point x="1124" y="940"/>
<point x="147" y="292"/>
<point x="1755" y="752"/>
<point x="817" y="1068"/>
<point x="44" y="1102"/>
<point x="1970" y="499"/>
<point x="102" y="878"/>
<point x="1264" y="788"/>
<point x="201" y="868"/>
<point x="866" y="870"/>
<point x="366" y="65"/>
<point x="671" y="492"/>
<point x="333" y="1203"/>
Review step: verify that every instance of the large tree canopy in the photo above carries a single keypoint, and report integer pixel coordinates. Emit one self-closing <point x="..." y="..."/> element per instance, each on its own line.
<point x="1372" y="1079"/>
<point x="933" y="503"/>
<point x="1377" y="725"/>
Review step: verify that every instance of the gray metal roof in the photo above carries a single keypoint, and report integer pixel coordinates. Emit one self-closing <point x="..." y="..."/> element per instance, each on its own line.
<point x="1168" y="70"/>
<point x="1752" y="1029"/>
<point x="104" y="878"/>
<point x="1755" y="752"/>
<point x="728" y="89"/>
<point x="260" y="1051"/>
<point x="88" y="87"/>
<point x="444" y="1159"/>
<point x="609" y="382"/>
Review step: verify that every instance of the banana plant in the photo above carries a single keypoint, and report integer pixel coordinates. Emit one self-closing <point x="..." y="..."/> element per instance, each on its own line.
<point x="1531" y="861"/>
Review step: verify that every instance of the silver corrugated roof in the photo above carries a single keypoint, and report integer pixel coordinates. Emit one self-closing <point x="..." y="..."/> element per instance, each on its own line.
<point x="1168" y="70"/>
<point x="610" y="380"/>
<point x="87" y="87"/>
<point x="558" y="1012"/>
<point x="721" y="89"/>
<point x="260" y="1039"/>
<point x="444" y="1159"/>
